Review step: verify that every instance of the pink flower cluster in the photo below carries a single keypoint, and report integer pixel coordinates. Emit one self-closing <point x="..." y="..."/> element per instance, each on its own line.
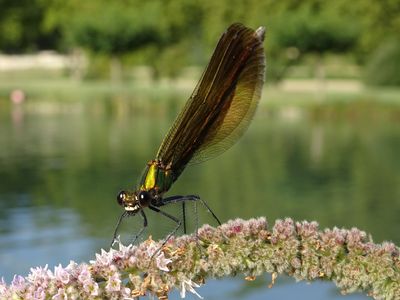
<point x="299" y="249"/>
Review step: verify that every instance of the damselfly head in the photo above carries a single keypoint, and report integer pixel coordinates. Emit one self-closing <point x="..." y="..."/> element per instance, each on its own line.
<point x="129" y="201"/>
<point x="134" y="201"/>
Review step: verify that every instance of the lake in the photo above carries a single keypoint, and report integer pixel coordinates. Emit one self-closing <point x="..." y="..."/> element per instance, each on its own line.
<point x="62" y="163"/>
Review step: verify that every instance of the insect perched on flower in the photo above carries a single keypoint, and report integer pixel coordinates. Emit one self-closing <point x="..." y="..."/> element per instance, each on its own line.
<point x="217" y="113"/>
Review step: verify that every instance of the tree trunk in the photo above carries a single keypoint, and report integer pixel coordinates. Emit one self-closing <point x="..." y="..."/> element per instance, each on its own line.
<point x="115" y="69"/>
<point x="320" y="77"/>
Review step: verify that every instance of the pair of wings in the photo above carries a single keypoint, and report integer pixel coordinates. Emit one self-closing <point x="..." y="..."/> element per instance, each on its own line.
<point x="222" y="104"/>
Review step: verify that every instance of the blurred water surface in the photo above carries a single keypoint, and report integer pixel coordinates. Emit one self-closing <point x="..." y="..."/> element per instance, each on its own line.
<point x="62" y="164"/>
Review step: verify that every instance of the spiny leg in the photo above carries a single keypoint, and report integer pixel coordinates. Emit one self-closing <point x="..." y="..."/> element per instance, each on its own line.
<point x="143" y="228"/>
<point x="208" y="209"/>
<point x="179" y="198"/>
<point x="184" y="216"/>
<point x="215" y="217"/>
<point x="196" y="215"/>
<point x="197" y="228"/>
<point x="177" y="221"/>
<point x="123" y="215"/>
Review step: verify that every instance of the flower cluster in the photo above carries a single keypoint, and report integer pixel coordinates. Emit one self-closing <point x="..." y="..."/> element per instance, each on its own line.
<point x="298" y="249"/>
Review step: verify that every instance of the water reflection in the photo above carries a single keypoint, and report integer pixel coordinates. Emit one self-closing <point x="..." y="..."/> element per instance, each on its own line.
<point x="285" y="288"/>
<point x="36" y="236"/>
<point x="61" y="165"/>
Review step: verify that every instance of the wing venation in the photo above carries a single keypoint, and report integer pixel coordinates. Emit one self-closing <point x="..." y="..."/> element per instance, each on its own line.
<point x="223" y="103"/>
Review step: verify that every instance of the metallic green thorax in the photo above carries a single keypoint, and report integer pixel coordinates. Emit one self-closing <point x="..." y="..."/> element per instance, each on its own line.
<point x="156" y="177"/>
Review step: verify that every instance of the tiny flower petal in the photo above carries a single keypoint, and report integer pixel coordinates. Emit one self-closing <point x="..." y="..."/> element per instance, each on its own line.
<point x="188" y="285"/>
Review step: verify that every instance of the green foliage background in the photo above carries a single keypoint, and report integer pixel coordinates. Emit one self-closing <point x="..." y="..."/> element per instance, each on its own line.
<point x="168" y="35"/>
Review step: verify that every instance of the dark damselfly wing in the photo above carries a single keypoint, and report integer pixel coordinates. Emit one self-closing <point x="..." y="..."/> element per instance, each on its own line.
<point x="222" y="104"/>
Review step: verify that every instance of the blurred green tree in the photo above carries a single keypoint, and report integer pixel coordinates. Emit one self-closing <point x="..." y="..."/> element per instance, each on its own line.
<point x="379" y="46"/>
<point x="157" y="33"/>
<point x="168" y="35"/>
<point x="383" y="67"/>
<point x="106" y="28"/>
<point x="21" y="27"/>
<point x="315" y="28"/>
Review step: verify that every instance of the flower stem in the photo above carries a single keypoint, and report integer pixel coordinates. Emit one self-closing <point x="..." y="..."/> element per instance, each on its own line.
<point x="299" y="249"/>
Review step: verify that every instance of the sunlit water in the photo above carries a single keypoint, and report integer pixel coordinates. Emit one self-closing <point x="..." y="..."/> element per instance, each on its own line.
<point x="61" y="166"/>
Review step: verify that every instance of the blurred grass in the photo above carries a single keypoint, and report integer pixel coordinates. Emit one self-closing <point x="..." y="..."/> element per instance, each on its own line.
<point x="56" y="86"/>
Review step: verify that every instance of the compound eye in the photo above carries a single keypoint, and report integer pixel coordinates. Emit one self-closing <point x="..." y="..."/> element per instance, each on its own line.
<point x="121" y="197"/>
<point x="144" y="197"/>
